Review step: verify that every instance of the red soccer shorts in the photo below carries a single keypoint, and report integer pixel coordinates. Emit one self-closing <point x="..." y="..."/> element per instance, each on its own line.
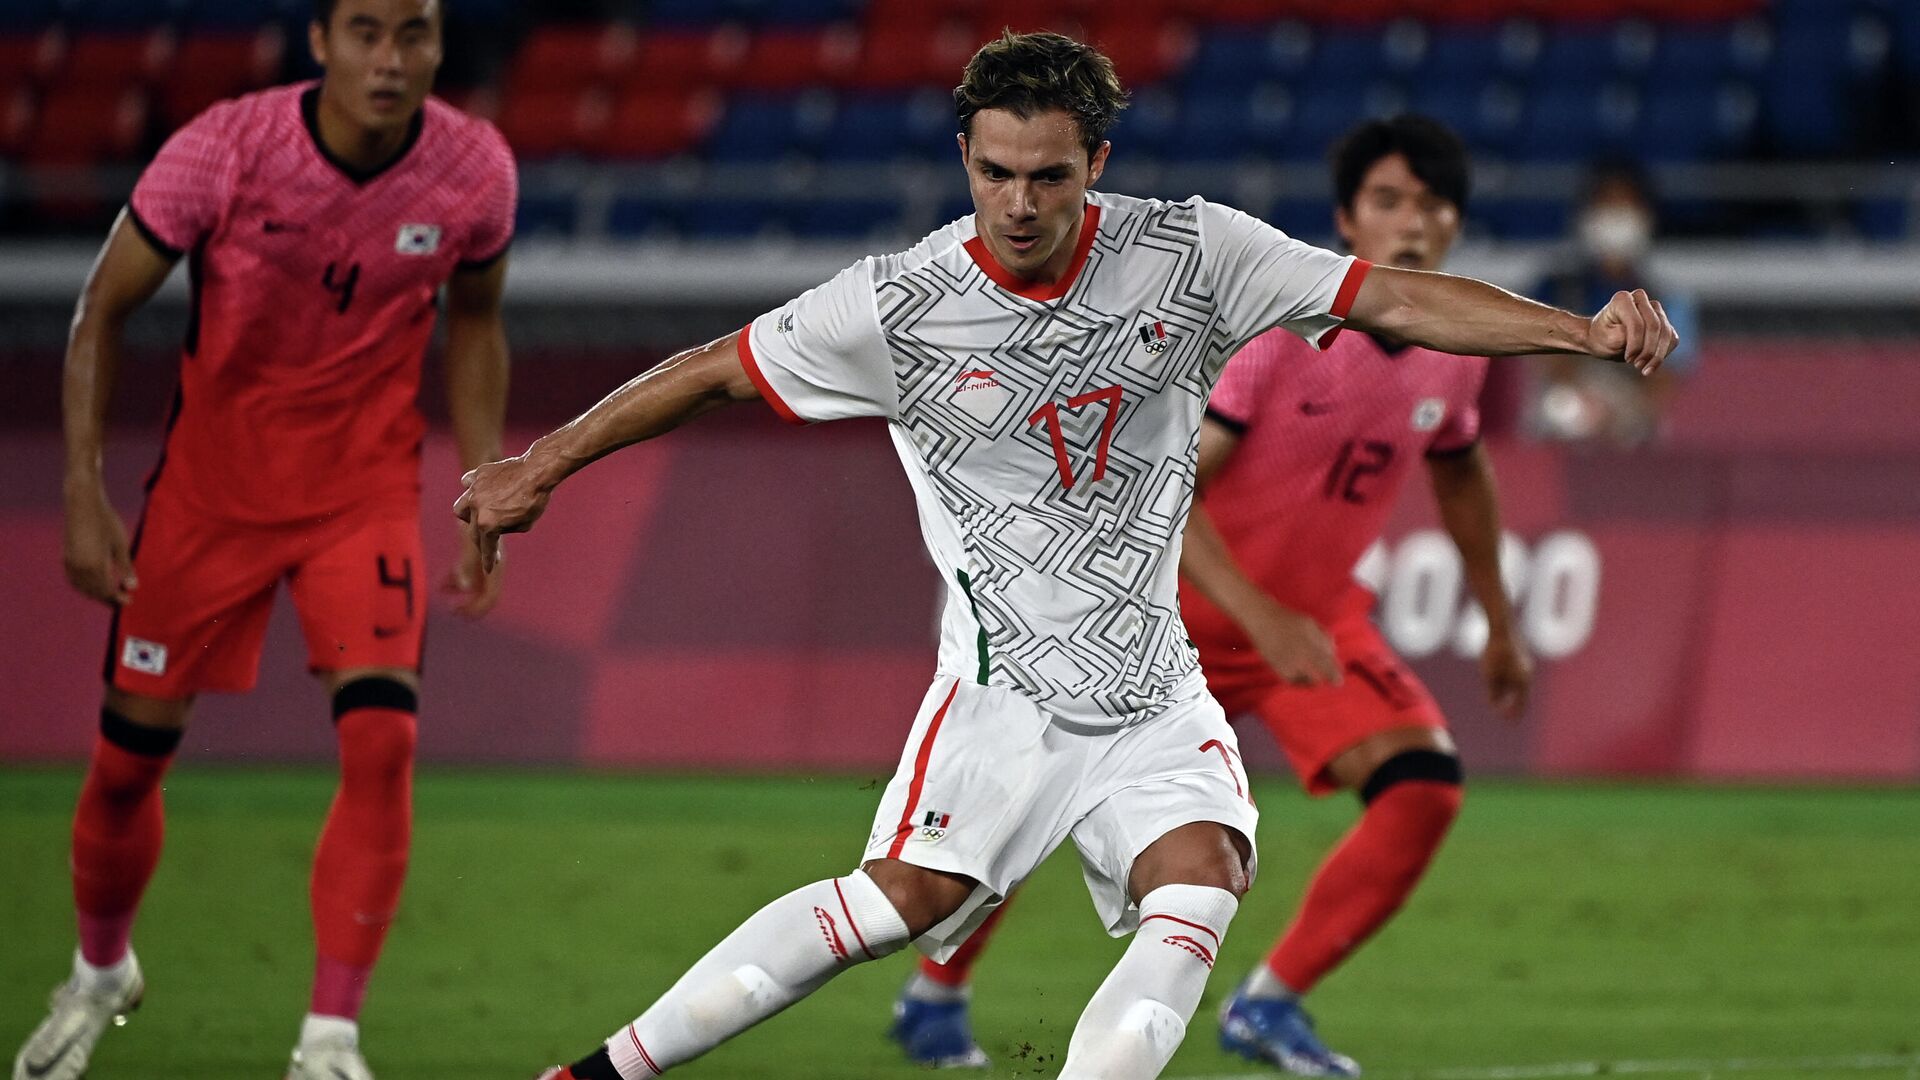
<point x="1315" y="724"/>
<point x="199" y="616"/>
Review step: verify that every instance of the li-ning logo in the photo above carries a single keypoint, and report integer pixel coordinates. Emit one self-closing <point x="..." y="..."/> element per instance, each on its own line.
<point x="831" y="933"/>
<point x="933" y="826"/>
<point x="976" y="379"/>
<point x="1182" y="941"/>
<point x="1154" y="338"/>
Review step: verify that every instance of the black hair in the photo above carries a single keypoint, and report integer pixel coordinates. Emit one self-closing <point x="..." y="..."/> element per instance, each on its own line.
<point x="1434" y="153"/>
<point x="1028" y="74"/>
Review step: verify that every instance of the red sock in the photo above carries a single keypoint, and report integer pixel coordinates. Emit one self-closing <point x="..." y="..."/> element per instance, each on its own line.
<point x="958" y="970"/>
<point x="117" y="829"/>
<point x="1365" y="880"/>
<point x="362" y="858"/>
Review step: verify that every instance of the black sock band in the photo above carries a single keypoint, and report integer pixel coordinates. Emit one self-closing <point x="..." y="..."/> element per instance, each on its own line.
<point x="138" y="738"/>
<point x="374" y="692"/>
<point x="1429" y="765"/>
<point x="596" y="1066"/>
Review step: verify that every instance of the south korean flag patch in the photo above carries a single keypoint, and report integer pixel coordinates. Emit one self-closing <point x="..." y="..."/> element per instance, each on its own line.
<point x="417" y="240"/>
<point x="143" y="656"/>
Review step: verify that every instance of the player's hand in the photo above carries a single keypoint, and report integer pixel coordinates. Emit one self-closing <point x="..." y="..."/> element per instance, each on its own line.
<point x="1633" y="329"/>
<point x="477" y="588"/>
<point x="94" y="548"/>
<point x="1294" y="646"/>
<point x="1508" y="670"/>
<point x="501" y="497"/>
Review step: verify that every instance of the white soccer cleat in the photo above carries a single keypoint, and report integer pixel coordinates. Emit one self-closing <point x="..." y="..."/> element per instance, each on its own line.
<point x="329" y="1058"/>
<point x="63" y="1043"/>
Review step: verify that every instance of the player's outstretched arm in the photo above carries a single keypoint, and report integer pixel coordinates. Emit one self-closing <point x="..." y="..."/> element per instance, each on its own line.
<point x="1472" y="318"/>
<point x="509" y="496"/>
<point x="1463" y="486"/>
<point x="127" y="272"/>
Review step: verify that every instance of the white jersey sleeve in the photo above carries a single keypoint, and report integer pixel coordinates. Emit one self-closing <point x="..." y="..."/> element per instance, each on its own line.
<point x="823" y="356"/>
<point x="1263" y="278"/>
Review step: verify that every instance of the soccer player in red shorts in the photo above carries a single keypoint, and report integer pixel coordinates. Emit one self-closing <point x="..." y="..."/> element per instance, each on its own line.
<point x="319" y="222"/>
<point x="1302" y="457"/>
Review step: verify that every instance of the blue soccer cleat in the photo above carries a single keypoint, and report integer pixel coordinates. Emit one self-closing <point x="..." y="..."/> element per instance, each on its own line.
<point x="936" y="1034"/>
<point x="1278" y="1032"/>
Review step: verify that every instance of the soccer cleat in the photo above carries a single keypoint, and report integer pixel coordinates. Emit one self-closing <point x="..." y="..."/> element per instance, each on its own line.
<point x="1278" y="1032"/>
<point x="936" y="1034"/>
<point x="558" y="1072"/>
<point x="328" y="1059"/>
<point x="63" y="1043"/>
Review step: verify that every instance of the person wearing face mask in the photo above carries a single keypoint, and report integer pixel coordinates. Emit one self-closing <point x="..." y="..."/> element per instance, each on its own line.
<point x="1613" y="234"/>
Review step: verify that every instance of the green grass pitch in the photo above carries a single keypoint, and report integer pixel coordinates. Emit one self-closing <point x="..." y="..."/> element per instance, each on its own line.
<point x="1589" y="923"/>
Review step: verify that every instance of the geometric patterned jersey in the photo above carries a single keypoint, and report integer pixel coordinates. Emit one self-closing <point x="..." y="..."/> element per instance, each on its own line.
<point x="313" y="298"/>
<point x="1049" y="430"/>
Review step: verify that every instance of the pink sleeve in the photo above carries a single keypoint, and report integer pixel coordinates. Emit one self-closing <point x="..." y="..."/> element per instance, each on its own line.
<point x="493" y="210"/>
<point x="1236" y="400"/>
<point x="184" y="191"/>
<point x="1461" y="430"/>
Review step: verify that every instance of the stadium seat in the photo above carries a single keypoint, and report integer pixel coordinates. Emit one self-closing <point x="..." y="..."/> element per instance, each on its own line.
<point x="722" y="218"/>
<point x="215" y="65"/>
<point x="1692" y="120"/>
<point x="795" y="60"/>
<point x="28" y="59"/>
<point x="897" y="56"/>
<point x="1150" y="126"/>
<point x="72" y="128"/>
<point x="94" y="15"/>
<point x="759" y="128"/>
<point x="687" y="59"/>
<point x="544" y="215"/>
<point x="1143" y="51"/>
<point x="106" y="63"/>
<point x="648" y="124"/>
<point x="1225" y="59"/>
<point x="1576" y="123"/>
<point x="1522" y="218"/>
<point x="571" y="58"/>
<point x="1324" y="113"/>
<point x="1576" y="56"/>
<point x="1213" y="127"/>
<point x="551" y="123"/>
<point x="1351" y="58"/>
<point x="1308" y="219"/>
<point x="643" y="216"/>
<point x="846" y="219"/>
<point x="869" y="129"/>
<point x="1455" y="55"/>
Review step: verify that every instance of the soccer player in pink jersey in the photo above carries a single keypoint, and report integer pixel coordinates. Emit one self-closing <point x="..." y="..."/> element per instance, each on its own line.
<point x="319" y="223"/>
<point x="1043" y="364"/>
<point x="1302" y="457"/>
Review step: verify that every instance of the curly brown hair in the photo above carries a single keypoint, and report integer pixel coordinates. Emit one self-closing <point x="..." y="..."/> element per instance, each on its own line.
<point x="1028" y="74"/>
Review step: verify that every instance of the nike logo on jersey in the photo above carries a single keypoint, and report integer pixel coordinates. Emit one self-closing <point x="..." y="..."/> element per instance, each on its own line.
<point x="1315" y="408"/>
<point x="271" y="226"/>
<point x="385" y="632"/>
<point x="42" y="1068"/>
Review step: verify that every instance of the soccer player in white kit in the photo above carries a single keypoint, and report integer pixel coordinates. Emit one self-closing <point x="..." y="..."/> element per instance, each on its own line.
<point x="1043" y="365"/>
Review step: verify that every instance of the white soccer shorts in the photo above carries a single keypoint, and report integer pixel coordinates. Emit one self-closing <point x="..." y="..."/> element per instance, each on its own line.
<point x="989" y="785"/>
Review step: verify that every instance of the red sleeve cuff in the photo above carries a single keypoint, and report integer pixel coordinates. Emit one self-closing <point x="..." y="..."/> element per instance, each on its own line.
<point x="760" y="382"/>
<point x="1344" y="297"/>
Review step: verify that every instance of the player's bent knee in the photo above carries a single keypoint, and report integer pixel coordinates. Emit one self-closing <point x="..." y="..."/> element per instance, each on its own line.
<point x="147" y="712"/>
<point x="922" y="897"/>
<point x="1429" y="776"/>
<point x="1204" y="853"/>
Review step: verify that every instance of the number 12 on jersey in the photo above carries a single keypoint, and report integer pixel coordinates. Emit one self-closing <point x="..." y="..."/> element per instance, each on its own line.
<point x="1050" y="412"/>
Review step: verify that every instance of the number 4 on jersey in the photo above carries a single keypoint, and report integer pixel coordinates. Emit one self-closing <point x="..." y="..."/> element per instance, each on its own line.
<point x="1050" y="412"/>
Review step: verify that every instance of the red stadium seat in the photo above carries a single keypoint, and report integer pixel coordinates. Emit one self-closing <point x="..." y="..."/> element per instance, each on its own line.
<point x="572" y="58"/>
<point x="16" y="119"/>
<point x="656" y="124"/>
<point x="217" y="65"/>
<point x="78" y="126"/>
<point x="687" y="59"/>
<point x="29" y="59"/>
<point x="897" y="58"/>
<point x="917" y="16"/>
<point x="110" y="62"/>
<point x="797" y="59"/>
<point x="550" y="123"/>
<point x="1143" y="51"/>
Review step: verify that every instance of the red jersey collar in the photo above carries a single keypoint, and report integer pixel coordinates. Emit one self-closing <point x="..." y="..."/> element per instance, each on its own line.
<point x="1038" y="290"/>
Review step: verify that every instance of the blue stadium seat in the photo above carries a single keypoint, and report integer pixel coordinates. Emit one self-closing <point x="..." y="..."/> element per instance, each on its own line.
<point x="1576" y="123"/>
<point x="1325" y="113"/>
<point x="1231" y="127"/>
<point x="1226" y="59"/>
<point x="1522" y="219"/>
<point x="1455" y="55"/>
<point x="869" y="129"/>
<point x="1694" y="120"/>
<point x="544" y="215"/>
<point x="1884" y="219"/>
<point x="847" y="219"/>
<point x="767" y="128"/>
<point x="1576" y="56"/>
<point x="636" y="216"/>
<point x="1309" y="219"/>
<point x="736" y="218"/>
<point x="1700" y="52"/>
<point x="1148" y="127"/>
<point x="1347" y="58"/>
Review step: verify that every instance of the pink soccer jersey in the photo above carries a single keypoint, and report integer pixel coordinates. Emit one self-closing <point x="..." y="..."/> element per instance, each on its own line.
<point x="313" y="298"/>
<point x="1326" y="441"/>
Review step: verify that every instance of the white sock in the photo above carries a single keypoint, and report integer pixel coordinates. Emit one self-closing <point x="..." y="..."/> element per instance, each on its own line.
<point x="316" y="1029"/>
<point x="785" y="951"/>
<point x="1139" y="1015"/>
<point x="1264" y="984"/>
<point x="114" y="976"/>
<point x="921" y="988"/>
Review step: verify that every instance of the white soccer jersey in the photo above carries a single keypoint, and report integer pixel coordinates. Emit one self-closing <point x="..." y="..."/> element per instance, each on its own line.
<point x="1050" y="431"/>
